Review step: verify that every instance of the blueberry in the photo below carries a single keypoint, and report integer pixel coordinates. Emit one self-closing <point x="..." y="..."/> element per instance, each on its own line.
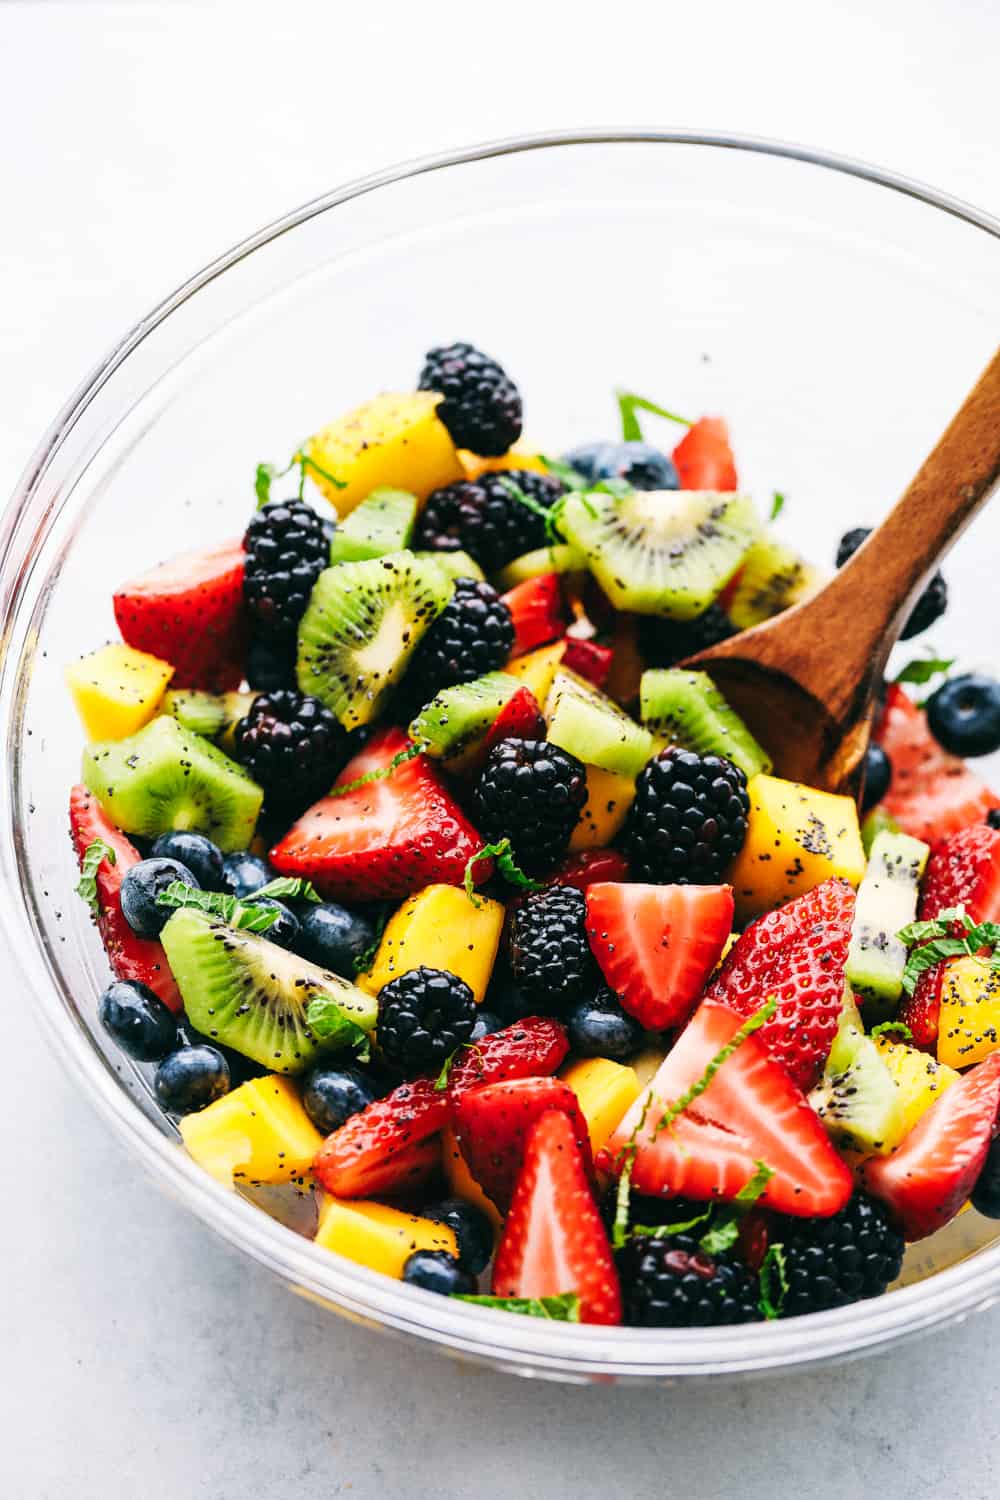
<point x="244" y="873"/>
<point x="486" y="1024"/>
<point x="600" y="1028"/>
<point x="504" y="999"/>
<point x="191" y="1078"/>
<point x="241" y="1069"/>
<point x="472" y="1228"/>
<point x="285" y="931"/>
<point x="140" y="888"/>
<point x="932" y="602"/>
<point x="993" y="817"/>
<point x="331" y="1095"/>
<point x="334" y="936"/>
<point x="878" y="775"/>
<point x="964" y="714"/>
<point x="138" y="1020"/>
<point x="639" y="464"/>
<point x="986" y="1193"/>
<point x="437" y="1271"/>
<point x="196" y="853"/>
<point x="585" y="458"/>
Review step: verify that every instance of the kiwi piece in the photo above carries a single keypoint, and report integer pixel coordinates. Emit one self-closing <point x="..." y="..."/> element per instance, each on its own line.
<point x="858" y="1099"/>
<point x="773" y="577"/>
<point x="886" y="902"/>
<point x="214" y="715"/>
<point x="455" y="564"/>
<point x="661" y="552"/>
<point x="361" y="626"/>
<point x="686" y="708"/>
<point x="251" y="995"/>
<point x="167" y="777"/>
<point x="458" y="717"/>
<point x="382" y="523"/>
<point x="559" y="558"/>
<point x="587" y="723"/>
<point x="878" y="821"/>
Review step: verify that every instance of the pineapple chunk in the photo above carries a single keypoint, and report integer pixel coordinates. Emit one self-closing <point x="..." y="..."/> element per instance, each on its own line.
<point x="969" y="1027"/>
<point x="605" y="1090"/>
<point x="257" y="1133"/>
<point x="379" y="1237"/>
<point x="461" y="1181"/>
<point x="797" y="837"/>
<point x="116" y="690"/>
<point x="442" y="928"/>
<point x="517" y="457"/>
<point x="920" y="1079"/>
<point x="609" y="797"/>
<point x="394" y="440"/>
<point x="536" y="670"/>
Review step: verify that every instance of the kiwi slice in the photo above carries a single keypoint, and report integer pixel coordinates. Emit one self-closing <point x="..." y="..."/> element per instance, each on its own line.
<point x="251" y="995"/>
<point x="362" y="624"/>
<point x="559" y="558"/>
<point x="773" y="577"/>
<point x="587" y="723"/>
<point x="382" y="523"/>
<point x="214" y="715"/>
<point x="661" y="552"/>
<point x="886" y="902"/>
<point x="458" y="717"/>
<point x="878" y="821"/>
<point x="455" y="564"/>
<point x="686" y="708"/>
<point x="858" y="1099"/>
<point x="167" y="777"/>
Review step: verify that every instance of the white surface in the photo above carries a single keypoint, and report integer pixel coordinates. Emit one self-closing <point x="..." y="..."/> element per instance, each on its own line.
<point x="142" y="1357"/>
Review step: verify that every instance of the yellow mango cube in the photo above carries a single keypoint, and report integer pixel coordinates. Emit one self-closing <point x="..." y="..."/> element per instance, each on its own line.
<point x="920" y="1080"/>
<point x="379" y="1237"/>
<point x="797" y="837"/>
<point x="969" y="1027"/>
<point x="605" y="1090"/>
<point x="518" y="457"/>
<point x="394" y="440"/>
<point x="609" y="797"/>
<point x="536" y="670"/>
<point x="441" y="928"/>
<point x="117" y="690"/>
<point x="258" y="1133"/>
<point x="461" y="1181"/>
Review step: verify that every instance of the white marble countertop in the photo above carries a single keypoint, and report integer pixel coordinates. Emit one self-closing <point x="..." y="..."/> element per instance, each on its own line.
<point x="141" y="1356"/>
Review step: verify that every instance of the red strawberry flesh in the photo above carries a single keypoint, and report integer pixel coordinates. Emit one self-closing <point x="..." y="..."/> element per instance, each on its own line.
<point x="492" y="1125"/>
<point x="189" y="611"/>
<point x="704" y="459"/>
<point x="536" y="607"/>
<point x="588" y="659"/>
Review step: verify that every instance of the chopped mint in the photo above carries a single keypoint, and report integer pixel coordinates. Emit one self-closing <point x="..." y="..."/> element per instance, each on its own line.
<point x="378" y="775"/>
<point x="289" y="888"/>
<point x="96" y="851"/>
<point x="563" y="1308"/>
<point x="570" y="477"/>
<point x="932" y="941"/>
<point x="923" y="668"/>
<point x="777" y="505"/>
<point x="548" y="515"/>
<point x="886" y="1028"/>
<point x="725" y="1228"/>
<point x="305" y="462"/>
<point x="505" y="863"/>
<point x="773" y="1282"/>
<point x="365" y="960"/>
<point x="266" y="474"/>
<point x="328" y="1023"/>
<point x="629" y="404"/>
<point x="441" y="1082"/>
<point x="664" y="1231"/>
<point x="228" y="909"/>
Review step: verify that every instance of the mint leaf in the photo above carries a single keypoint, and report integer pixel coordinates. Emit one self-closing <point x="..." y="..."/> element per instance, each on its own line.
<point x="96" y="851"/>
<point x="305" y="462"/>
<point x="378" y="775"/>
<point x="507" y="866"/>
<point x="265" y="476"/>
<point x="366" y="959"/>
<point x="441" y="1082"/>
<point x="777" y="504"/>
<point x="328" y="1023"/>
<point x="930" y="954"/>
<point x="725" y="1229"/>
<point x="629" y="404"/>
<point x="228" y="909"/>
<point x="773" y="1282"/>
<point x="664" y="1231"/>
<point x="923" y="669"/>
<point x="563" y="1308"/>
<point x="886" y="1028"/>
<point x="569" y="476"/>
<point x="547" y="514"/>
<point x="289" y="888"/>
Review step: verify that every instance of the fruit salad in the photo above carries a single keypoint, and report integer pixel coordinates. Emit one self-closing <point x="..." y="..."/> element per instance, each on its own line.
<point x="447" y="903"/>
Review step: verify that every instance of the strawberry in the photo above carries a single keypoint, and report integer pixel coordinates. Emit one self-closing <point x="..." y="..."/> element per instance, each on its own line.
<point x="518" y="719"/>
<point x="189" y="611"/>
<point x="589" y="867"/>
<point x="554" y="1241"/>
<point x="588" y="659"/>
<point x="528" y="1049"/>
<point x="492" y="1125"/>
<point x="386" y="839"/>
<point x="932" y="793"/>
<point x="657" y="944"/>
<point x="751" y="1111"/>
<point x="536" y="607"/>
<point x="130" y="957"/>
<point x="703" y="458"/>
<point x="934" y="1169"/>
<point x="798" y="954"/>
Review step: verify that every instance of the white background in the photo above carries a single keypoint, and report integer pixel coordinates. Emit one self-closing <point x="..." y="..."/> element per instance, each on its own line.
<point x="139" y="1356"/>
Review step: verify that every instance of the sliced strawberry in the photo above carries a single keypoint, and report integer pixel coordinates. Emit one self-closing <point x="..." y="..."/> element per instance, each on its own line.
<point x="798" y="954"/>
<point x="130" y="957"/>
<point x="518" y="719"/>
<point x="189" y="611"/>
<point x="750" y="1112"/>
<point x="932" y="1172"/>
<point x="386" y="839"/>
<point x="657" y="944"/>
<point x="492" y="1125"/>
<point x="536" y="606"/>
<point x="554" y="1241"/>
<point x="588" y="659"/>
<point x="589" y="867"/>
<point x="528" y="1049"/>
<point x="704" y="459"/>
<point x="932" y="794"/>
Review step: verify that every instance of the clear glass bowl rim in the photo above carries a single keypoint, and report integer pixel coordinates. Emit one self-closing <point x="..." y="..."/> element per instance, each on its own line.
<point x="523" y="1345"/>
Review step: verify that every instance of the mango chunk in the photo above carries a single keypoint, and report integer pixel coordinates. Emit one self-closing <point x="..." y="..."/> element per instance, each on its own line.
<point x="969" y="1026"/>
<point x="537" y="669"/>
<point x="920" y="1080"/>
<point x="609" y="797"/>
<point x="797" y="837"/>
<point x="441" y="928"/>
<point x="117" y="689"/>
<point x="606" y="1091"/>
<point x="518" y="457"/>
<point x="379" y="1237"/>
<point x="258" y="1133"/>
<point x="461" y="1181"/>
<point x="394" y="440"/>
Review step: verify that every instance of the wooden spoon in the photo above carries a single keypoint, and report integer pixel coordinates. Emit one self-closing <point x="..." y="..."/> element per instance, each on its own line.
<point x="804" y="682"/>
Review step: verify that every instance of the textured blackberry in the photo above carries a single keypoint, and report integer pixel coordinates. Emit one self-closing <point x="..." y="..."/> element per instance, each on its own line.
<point x="550" y="958"/>
<point x="932" y="602"/>
<point x="483" y="517"/>
<point x="292" y="746"/>
<point x="844" y="1258"/>
<point x="423" y="1016"/>
<point x="287" y="547"/>
<point x="673" y="1283"/>
<point x="688" y="819"/>
<point x="472" y="635"/>
<point x="664" y="642"/>
<point x="532" y="793"/>
<point x="481" y="407"/>
<point x="270" y="664"/>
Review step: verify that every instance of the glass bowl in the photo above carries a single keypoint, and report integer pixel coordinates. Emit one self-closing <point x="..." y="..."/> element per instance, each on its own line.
<point x="834" y="314"/>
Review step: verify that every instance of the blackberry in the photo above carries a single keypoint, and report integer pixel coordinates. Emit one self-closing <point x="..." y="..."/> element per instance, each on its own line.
<point x="292" y="746"/>
<point x="932" y="602"/>
<point x="664" y="642"/>
<point x="287" y="548"/>
<point x="472" y="635"/>
<point x="844" y="1258"/>
<point x="532" y="793"/>
<point x="423" y="1016"/>
<point x="550" y="957"/>
<point x="481" y="407"/>
<point x="270" y="664"/>
<point x="878" y="776"/>
<point x="688" y="819"/>
<point x="993" y="817"/>
<point x="673" y="1283"/>
<point x="482" y="517"/>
